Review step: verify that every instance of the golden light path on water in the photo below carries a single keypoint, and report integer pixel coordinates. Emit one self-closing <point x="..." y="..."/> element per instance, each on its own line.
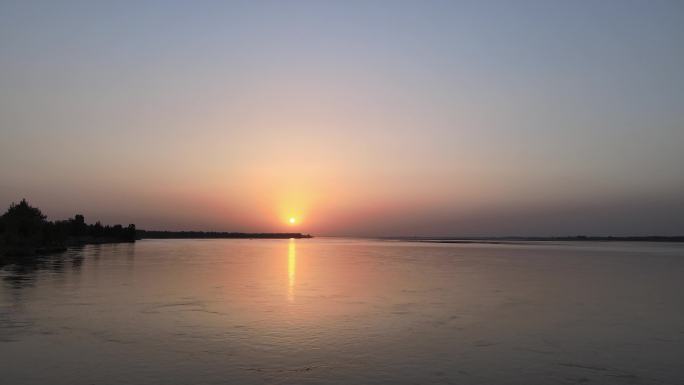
<point x="291" y="268"/>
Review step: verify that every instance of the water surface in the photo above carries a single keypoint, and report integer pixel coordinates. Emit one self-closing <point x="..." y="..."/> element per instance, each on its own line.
<point x="344" y="311"/>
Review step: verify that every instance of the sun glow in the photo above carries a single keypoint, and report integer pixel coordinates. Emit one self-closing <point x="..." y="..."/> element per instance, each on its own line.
<point x="292" y="220"/>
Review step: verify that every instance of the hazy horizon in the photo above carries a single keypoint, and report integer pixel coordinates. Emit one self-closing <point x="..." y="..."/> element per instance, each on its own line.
<point x="534" y="118"/>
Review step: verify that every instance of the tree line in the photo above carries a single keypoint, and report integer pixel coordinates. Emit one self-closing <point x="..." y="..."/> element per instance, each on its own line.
<point x="25" y="230"/>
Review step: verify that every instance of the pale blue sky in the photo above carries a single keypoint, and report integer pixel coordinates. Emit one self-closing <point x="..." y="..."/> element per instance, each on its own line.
<point x="367" y="117"/>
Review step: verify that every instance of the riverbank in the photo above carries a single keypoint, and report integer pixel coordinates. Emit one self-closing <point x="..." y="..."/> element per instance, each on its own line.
<point x="25" y="232"/>
<point x="152" y="234"/>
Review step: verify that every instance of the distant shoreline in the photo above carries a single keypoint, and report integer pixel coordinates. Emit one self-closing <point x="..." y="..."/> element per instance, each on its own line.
<point x="509" y="240"/>
<point x="153" y="234"/>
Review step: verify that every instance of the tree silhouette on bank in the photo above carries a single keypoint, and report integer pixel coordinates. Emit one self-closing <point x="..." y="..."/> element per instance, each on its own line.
<point x="24" y="231"/>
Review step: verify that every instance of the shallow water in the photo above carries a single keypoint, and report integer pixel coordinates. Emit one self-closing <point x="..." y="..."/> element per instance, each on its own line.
<point x="343" y="311"/>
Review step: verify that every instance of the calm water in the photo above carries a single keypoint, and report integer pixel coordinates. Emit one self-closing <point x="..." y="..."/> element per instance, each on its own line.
<point x="333" y="311"/>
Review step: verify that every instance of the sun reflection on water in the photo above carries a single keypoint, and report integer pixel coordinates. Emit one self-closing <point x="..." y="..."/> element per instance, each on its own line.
<point x="291" y="268"/>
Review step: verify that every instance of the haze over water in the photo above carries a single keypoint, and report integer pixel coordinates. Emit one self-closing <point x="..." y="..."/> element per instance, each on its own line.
<point x="345" y="311"/>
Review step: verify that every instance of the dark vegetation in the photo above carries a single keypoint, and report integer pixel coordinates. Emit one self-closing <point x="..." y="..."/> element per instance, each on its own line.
<point x="215" y="234"/>
<point x="24" y="231"/>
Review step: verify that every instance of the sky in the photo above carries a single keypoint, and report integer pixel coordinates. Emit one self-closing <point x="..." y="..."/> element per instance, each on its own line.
<point x="361" y="118"/>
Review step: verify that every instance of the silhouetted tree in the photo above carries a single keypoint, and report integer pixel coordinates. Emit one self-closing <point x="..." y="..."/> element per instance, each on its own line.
<point x="96" y="230"/>
<point x="22" y="221"/>
<point x="24" y="230"/>
<point x="130" y="233"/>
<point x="78" y="226"/>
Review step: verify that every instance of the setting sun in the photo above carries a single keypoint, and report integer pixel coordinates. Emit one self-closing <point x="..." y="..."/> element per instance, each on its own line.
<point x="292" y="220"/>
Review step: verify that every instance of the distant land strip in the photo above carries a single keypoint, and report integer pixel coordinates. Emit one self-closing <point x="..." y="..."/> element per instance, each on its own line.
<point x="154" y="234"/>
<point x="505" y="240"/>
